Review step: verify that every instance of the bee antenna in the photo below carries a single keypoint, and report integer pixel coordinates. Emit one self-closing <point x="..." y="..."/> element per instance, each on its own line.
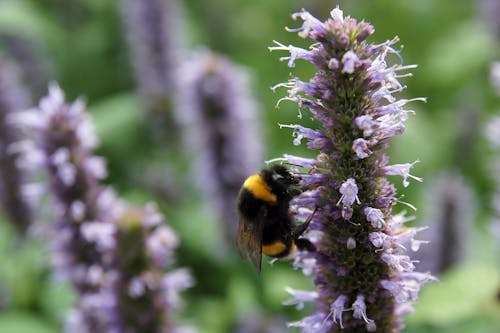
<point x="292" y="164"/>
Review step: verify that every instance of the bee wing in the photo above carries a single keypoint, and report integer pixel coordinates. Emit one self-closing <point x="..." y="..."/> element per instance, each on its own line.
<point x="249" y="239"/>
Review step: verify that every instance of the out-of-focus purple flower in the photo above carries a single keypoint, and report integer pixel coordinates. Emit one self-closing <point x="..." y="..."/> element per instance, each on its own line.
<point x="147" y="296"/>
<point x="83" y="236"/>
<point x="155" y="34"/>
<point x="495" y="76"/>
<point x="113" y="255"/>
<point x="490" y="10"/>
<point x="15" y="205"/>
<point x="363" y="274"/>
<point x="221" y="128"/>
<point x="450" y="212"/>
<point x="32" y="60"/>
<point x="493" y="134"/>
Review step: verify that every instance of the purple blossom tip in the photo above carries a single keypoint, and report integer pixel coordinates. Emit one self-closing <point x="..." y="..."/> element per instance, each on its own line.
<point x="402" y="170"/>
<point x="299" y="297"/>
<point x="349" y="191"/>
<point x="120" y="287"/>
<point x="13" y="176"/>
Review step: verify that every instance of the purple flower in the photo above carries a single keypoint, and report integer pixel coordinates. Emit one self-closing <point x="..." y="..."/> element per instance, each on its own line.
<point x="495" y="76"/>
<point x="363" y="274"/>
<point x="493" y="134"/>
<point x="32" y="59"/>
<point x="490" y="10"/>
<point x="220" y="118"/>
<point x="449" y="213"/>
<point x="299" y="297"/>
<point x="115" y="256"/>
<point x="13" y="99"/>
<point x="147" y="296"/>
<point x="83" y="237"/>
<point x="154" y="33"/>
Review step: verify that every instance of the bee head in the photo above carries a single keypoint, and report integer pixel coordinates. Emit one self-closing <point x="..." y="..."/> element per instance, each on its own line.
<point x="279" y="178"/>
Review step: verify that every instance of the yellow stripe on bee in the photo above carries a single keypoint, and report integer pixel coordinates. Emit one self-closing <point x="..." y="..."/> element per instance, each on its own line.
<point x="273" y="249"/>
<point x="256" y="185"/>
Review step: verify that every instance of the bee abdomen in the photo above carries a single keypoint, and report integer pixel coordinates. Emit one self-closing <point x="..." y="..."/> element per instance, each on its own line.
<point x="277" y="249"/>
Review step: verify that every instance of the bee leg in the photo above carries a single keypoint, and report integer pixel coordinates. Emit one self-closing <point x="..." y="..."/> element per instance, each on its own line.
<point x="294" y="192"/>
<point x="305" y="245"/>
<point x="299" y="230"/>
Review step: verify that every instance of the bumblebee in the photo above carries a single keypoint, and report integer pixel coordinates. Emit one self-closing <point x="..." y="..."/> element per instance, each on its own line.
<point x="265" y="223"/>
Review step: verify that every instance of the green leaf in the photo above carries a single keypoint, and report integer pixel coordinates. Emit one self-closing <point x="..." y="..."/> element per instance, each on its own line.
<point x="116" y="118"/>
<point x="56" y="300"/>
<point x="466" y="292"/>
<point x="22" y="270"/>
<point x="458" y="54"/>
<point x="21" y="17"/>
<point x="23" y="322"/>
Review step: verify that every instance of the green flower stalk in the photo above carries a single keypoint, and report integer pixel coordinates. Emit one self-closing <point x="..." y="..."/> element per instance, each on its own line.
<point x="364" y="277"/>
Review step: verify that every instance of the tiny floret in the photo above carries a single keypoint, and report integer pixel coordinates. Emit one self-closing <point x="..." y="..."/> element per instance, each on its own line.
<point x="349" y="61"/>
<point x="349" y="191"/>
<point x="336" y="310"/>
<point x="374" y="216"/>
<point x="359" y="309"/>
<point x="402" y="170"/>
<point x="351" y="243"/>
<point x="299" y="297"/>
<point x="361" y="148"/>
<point x="337" y="14"/>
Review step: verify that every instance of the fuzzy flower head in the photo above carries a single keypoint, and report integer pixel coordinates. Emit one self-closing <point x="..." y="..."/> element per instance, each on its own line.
<point x="83" y="234"/>
<point x="147" y="294"/>
<point x="13" y="99"/>
<point x="449" y="210"/>
<point x="220" y="117"/>
<point x="358" y="256"/>
<point x="154" y="34"/>
<point x="114" y="255"/>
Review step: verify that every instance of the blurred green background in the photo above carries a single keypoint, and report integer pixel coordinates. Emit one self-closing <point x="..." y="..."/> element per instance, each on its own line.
<point x="85" y="51"/>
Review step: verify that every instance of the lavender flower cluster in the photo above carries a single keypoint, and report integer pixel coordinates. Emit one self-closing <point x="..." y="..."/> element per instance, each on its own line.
<point x="364" y="277"/>
<point x="155" y="36"/>
<point x="493" y="135"/>
<point x="113" y="255"/>
<point x="450" y="208"/>
<point x="215" y="103"/>
<point x="17" y="207"/>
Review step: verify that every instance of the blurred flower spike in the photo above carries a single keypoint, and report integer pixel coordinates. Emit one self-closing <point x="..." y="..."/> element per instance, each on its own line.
<point x="220" y="117"/>
<point x="113" y="255"/>
<point x="155" y="35"/>
<point x="15" y="204"/>
<point x="364" y="277"/>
